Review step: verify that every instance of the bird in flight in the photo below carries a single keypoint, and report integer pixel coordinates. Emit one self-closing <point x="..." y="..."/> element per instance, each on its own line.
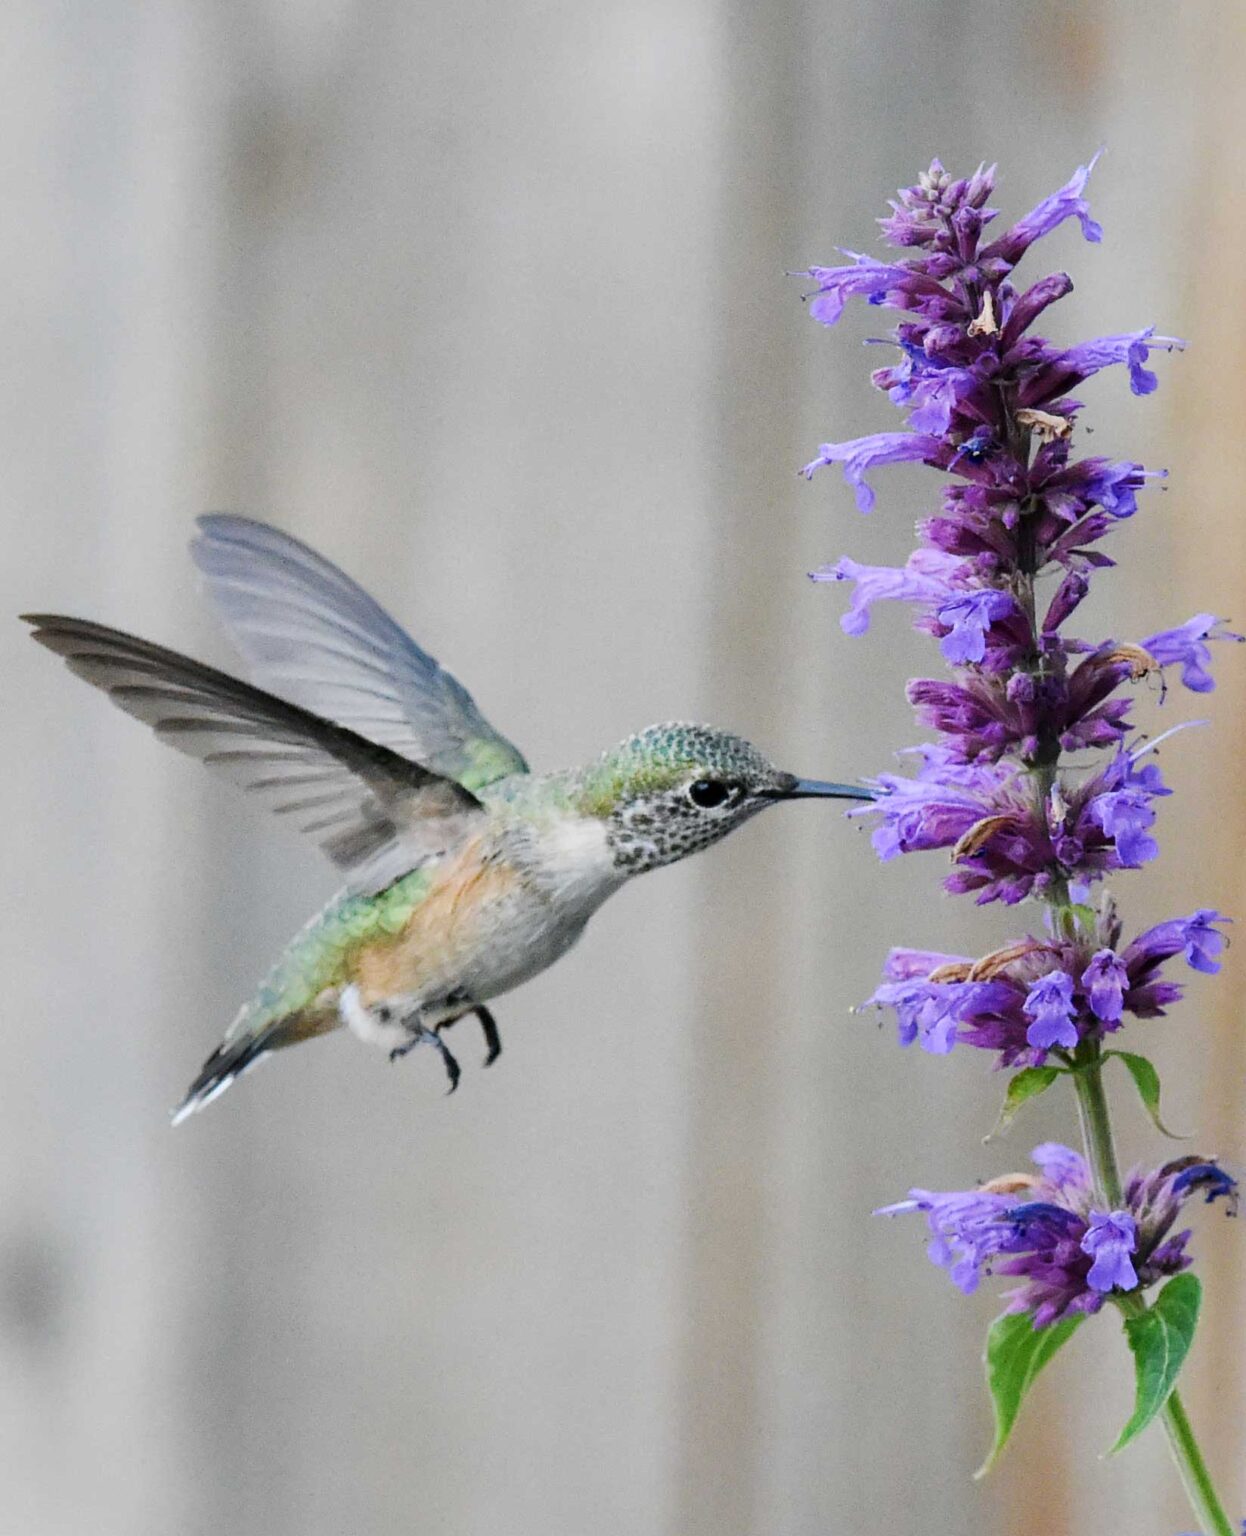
<point x="465" y="873"/>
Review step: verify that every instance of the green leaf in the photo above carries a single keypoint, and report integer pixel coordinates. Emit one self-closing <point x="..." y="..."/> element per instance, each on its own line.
<point x="1160" y="1339"/>
<point x="1023" y="1085"/>
<point x="1015" y="1353"/>
<point x="1146" y="1081"/>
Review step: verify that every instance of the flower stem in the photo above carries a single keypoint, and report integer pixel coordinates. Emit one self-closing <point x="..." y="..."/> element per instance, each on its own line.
<point x="1092" y="1108"/>
<point x="1199" y="1488"/>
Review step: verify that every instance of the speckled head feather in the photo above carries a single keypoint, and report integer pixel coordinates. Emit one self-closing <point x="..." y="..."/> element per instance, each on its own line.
<point x="673" y="789"/>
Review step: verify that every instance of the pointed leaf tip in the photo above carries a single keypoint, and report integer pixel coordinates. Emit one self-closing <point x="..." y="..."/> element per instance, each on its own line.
<point x="1015" y="1353"/>
<point x="1146" y="1081"/>
<point x="1160" y="1340"/>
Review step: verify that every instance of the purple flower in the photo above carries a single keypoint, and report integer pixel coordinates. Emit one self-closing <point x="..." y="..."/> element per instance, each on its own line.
<point x="933" y="397"/>
<point x="866" y="279"/>
<point x="928" y="576"/>
<point x="1004" y="845"/>
<point x="984" y="812"/>
<point x="931" y="1012"/>
<point x="1064" y="370"/>
<point x="865" y="453"/>
<point x="1037" y="994"/>
<point x="1186" y="647"/>
<point x="966" y="1230"/>
<point x="968" y="616"/>
<point x="1067" y="203"/>
<point x="1049" y="1004"/>
<point x="1125" y="816"/>
<point x="1047" y="1232"/>
<point x="924" y="1013"/>
<point x="1111" y="1238"/>
<point x="1118" y="802"/>
<point x="1105" y="981"/>
<point x="1196" y="937"/>
<point x="982" y="717"/>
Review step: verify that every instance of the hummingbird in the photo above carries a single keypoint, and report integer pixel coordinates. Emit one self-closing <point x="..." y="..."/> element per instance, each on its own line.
<point x="465" y="872"/>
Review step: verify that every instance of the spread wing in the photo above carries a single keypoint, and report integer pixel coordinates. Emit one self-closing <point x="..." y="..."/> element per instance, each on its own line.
<point x="374" y="812"/>
<point x="310" y="634"/>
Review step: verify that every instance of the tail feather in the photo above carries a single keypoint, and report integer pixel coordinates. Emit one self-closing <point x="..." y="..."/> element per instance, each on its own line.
<point x="237" y="1054"/>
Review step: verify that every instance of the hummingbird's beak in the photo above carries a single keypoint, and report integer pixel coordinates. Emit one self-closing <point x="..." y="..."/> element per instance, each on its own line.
<point x="817" y="789"/>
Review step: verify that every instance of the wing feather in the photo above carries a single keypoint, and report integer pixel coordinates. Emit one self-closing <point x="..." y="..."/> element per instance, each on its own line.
<point x="312" y="635"/>
<point x="375" y="812"/>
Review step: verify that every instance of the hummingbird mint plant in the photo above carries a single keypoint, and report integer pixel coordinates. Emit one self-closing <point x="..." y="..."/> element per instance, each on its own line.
<point x="1034" y="781"/>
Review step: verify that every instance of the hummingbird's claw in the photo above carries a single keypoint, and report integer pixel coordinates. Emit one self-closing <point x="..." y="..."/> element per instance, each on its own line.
<point x="492" y="1039"/>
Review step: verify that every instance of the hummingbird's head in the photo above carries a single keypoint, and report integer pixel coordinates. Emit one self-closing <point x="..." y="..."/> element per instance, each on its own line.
<point x="672" y="790"/>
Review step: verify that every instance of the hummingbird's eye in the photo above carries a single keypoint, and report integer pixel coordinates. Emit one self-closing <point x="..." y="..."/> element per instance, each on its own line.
<point x="707" y="793"/>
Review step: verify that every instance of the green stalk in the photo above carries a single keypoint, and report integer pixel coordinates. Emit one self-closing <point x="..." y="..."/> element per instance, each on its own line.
<point x="1092" y="1107"/>
<point x="1092" y="1102"/>
<point x="1199" y="1488"/>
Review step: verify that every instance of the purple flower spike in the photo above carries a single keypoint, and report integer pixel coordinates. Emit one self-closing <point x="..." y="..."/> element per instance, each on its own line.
<point x="1110" y="1240"/>
<point x="988" y="405"/>
<point x="1033" y="781"/>
<point x="1049" y="1004"/>
<point x="865" y="453"/>
<point x="1186" y="647"/>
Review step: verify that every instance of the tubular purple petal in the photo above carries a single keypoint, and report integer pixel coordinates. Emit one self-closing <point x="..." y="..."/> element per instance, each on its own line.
<point x="1133" y="348"/>
<point x="969" y="615"/>
<point x="863" y="454"/>
<point x="1111" y="1239"/>
<point x="1067" y="203"/>
<point x="1186" y="646"/>
<point x="1049" y="1005"/>
<point x="1105" y="982"/>
<point x="927" y="576"/>
<point x="867" y="279"/>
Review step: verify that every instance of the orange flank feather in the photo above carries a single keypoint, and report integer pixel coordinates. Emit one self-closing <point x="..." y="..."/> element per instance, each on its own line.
<point x="443" y="933"/>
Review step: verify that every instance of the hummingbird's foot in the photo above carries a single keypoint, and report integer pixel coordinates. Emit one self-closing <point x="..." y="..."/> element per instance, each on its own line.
<point x="421" y="1034"/>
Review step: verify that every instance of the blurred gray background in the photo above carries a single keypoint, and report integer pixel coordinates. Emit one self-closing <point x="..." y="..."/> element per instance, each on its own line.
<point x="487" y="302"/>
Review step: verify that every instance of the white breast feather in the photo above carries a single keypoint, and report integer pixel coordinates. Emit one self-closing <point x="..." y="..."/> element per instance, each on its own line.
<point x="575" y="860"/>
